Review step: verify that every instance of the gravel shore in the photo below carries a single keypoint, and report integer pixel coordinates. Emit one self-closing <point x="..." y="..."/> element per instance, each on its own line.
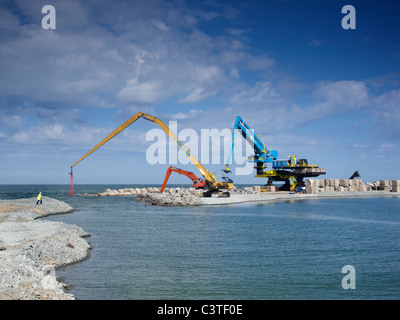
<point x="31" y="249"/>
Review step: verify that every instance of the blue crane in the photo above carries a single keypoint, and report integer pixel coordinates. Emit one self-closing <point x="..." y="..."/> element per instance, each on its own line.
<point x="291" y="171"/>
<point x="261" y="153"/>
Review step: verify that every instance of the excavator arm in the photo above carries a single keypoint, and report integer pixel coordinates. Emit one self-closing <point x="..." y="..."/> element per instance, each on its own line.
<point x="210" y="178"/>
<point x="196" y="182"/>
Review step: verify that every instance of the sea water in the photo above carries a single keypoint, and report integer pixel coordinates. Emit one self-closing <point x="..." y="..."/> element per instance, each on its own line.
<point x="253" y="251"/>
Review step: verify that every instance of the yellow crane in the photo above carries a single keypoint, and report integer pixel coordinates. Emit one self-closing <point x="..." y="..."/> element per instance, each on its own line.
<point x="211" y="180"/>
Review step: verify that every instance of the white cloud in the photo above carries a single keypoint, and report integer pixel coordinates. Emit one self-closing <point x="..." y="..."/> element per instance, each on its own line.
<point x="192" y="114"/>
<point x="348" y="94"/>
<point x="261" y="92"/>
<point x="160" y="24"/>
<point x="387" y="106"/>
<point x="141" y="93"/>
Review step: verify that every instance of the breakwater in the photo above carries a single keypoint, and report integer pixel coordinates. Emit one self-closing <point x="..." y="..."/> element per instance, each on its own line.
<point x="169" y="191"/>
<point x="173" y="197"/>
<point x="313" y="187"/>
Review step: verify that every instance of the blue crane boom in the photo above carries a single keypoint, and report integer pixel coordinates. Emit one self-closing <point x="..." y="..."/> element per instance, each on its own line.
<point x="261" y="153"/>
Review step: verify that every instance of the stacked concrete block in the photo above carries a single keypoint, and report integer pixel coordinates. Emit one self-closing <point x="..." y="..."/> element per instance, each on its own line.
<point x="383" y="185"/>
<point x="336" y="183"/>
<point x="348" y="185"/>
<point x="344" y="182"/>
<point x="309" y="185"/>
<point x="395" y="185"/>
<point x="362" y="188"/>
<point x="271" y="188"/>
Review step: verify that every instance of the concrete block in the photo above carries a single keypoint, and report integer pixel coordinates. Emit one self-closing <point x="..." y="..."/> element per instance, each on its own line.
<point x="313" y="190"/>
<point x="336" y="183"/>
<point x="271" y="188"/>
<point x="395" y="185"/>
<point x="384" y="183"/>
<point x="344" y="182"/>
<point x="362" y="188"/>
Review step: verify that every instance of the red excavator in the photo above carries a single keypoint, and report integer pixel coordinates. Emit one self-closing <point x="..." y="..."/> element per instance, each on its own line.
<point x="196" y="182"/>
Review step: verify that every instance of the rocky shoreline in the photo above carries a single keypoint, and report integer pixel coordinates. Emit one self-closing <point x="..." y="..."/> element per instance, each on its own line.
<point x="31" y="249"/>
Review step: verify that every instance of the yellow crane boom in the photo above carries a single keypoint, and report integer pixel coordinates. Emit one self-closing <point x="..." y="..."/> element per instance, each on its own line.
<point x="210" y="177"/>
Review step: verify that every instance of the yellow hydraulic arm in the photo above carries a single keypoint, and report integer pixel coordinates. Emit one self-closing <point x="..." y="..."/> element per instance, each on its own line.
<point x="210" y="178"/>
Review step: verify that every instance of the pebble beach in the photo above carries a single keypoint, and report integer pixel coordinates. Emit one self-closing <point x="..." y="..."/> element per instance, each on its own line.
<point x="31" y="249"/>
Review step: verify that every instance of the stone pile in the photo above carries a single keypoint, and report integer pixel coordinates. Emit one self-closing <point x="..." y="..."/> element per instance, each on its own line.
<point x="168" y="200"/>
<point x="172" y="191"/>
<point x="127" y="191"/>
<point x="172" y="196"/>
<point x="245" y="190"/>
<point x="350" y="185"/>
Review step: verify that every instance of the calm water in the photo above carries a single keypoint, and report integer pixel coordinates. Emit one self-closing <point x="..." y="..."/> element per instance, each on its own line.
<point x="282" y="250"/>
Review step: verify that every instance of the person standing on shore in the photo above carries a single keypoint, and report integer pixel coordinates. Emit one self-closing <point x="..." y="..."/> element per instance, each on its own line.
<point x="39" y="198"/>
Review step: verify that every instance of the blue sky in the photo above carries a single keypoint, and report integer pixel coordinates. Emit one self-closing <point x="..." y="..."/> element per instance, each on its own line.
<point x="287" y="67"/>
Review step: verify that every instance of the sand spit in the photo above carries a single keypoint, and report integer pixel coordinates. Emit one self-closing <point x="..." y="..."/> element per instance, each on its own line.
<point x="31" y="249"/>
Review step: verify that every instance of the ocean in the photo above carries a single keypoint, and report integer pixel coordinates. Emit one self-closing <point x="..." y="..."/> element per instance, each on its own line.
<point x="280" y="250"/>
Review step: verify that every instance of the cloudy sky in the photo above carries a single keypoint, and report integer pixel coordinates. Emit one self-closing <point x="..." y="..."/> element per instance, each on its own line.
<point x="288" y="68"/>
